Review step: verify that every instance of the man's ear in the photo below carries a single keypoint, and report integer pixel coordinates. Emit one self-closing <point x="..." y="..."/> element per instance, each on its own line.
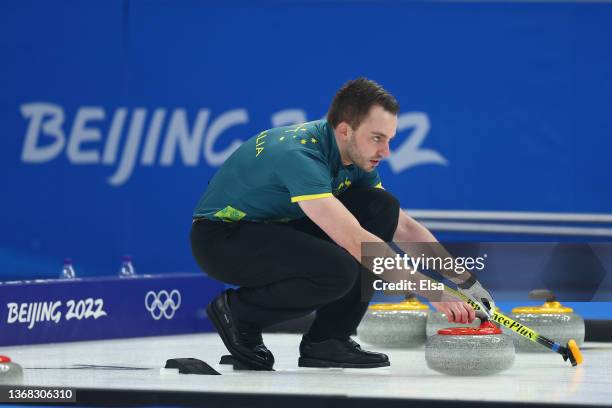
<point x="343" y="129"/>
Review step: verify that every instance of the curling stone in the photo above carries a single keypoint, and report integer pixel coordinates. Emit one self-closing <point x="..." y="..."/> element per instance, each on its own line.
<point x="10" y="373"/>
<point x="395" y="324"/>
<point x="465" y="351"/>
<point x="552" y="320"/>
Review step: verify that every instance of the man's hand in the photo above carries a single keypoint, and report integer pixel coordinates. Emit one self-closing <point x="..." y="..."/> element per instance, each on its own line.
<point x="480" y="294"/>
<point x="456" y="311"/>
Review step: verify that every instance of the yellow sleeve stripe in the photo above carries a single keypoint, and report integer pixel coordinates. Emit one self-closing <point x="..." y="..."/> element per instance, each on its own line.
<point x="379" y="185"/>
<point x="310" y="197"/>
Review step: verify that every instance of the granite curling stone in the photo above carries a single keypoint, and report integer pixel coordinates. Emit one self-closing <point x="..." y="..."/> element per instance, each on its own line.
<point x="10" y="373"/>
<point x="395" y="325"/>
<point x="552" y="320"/>
<point x="464" y="351"/>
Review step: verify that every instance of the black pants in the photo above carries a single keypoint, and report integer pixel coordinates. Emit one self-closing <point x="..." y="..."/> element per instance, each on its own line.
<point x="289" y="270"/>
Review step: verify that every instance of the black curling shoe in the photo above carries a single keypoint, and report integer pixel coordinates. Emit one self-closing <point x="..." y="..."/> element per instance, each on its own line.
<point x="243" y="342"/>
<point x="338" y="353"/>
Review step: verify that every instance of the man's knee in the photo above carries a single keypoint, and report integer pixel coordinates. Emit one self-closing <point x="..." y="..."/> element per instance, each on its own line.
<point x="370" y="203"/>
<point x="383" y="204"/>
<point x="376" y="209"/>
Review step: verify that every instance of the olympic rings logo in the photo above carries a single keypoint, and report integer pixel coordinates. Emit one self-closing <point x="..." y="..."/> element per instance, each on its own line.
<point x="163" y="303"/>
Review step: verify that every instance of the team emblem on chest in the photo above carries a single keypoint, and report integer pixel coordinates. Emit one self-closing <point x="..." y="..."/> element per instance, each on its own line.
<point x="342" y="186"/>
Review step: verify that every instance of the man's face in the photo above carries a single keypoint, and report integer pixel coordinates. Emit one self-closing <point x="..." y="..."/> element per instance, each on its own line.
<point x="369" y="143"/>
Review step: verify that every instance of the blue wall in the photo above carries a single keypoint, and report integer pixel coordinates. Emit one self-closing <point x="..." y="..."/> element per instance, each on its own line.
<point x="115" y="114"/>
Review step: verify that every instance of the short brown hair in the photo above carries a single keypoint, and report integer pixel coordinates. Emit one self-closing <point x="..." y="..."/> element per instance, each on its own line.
<point x="354" y="100"/>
